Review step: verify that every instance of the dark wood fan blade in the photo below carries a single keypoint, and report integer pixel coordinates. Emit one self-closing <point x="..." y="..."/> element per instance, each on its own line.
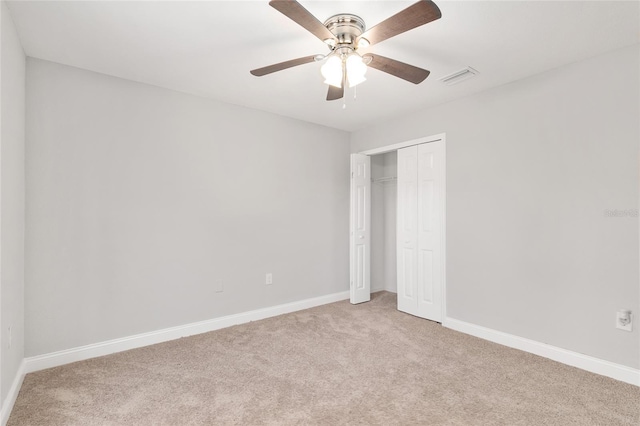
<point x="335" y="93"/>
<point x="294" y="11"/>
<point x="282" y="66"/>
<point x="399" y="69"/>
<point x="414" y="16"/>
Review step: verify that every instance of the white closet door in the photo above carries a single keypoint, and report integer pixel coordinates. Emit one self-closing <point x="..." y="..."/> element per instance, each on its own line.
<point x="407" y="217"/>
<point x="360" y="229"/>
<point x="421" y="230"/>
<point x="430" y="232"/>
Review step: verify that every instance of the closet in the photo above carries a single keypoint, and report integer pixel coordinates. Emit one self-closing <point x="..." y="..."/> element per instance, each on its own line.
<point x="383" y="221"/>
<point x="397" y="225"/>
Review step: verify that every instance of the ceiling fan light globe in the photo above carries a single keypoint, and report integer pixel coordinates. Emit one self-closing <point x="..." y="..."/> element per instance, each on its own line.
<point x="354" y="81"/>
<point x="334" y="83"/>
<point x="356" y="65"/>
<point x="356" y="69"/>
<point x="332" y="71"/>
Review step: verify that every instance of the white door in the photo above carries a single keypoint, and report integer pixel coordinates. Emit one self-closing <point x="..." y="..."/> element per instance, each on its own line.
<point x="407" y="222"/>
<point x="360" y="229"/>
<point x="421" y="195"/>
<point x="430" y="230"/>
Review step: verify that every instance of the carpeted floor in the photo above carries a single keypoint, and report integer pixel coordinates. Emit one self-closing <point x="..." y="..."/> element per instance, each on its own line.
<point x="336" y="364"/>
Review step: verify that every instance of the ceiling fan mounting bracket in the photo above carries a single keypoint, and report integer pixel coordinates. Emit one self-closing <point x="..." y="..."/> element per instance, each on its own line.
<point x="346" y="28"/>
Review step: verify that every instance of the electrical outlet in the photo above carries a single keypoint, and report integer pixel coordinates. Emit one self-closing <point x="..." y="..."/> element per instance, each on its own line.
<point x="624" y="320"/>
<point x="269" y="278"/>
<point x="219" y="287"/>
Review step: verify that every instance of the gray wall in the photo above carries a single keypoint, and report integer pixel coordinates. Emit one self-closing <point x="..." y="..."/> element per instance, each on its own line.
<point x="532" y="167"/>
<point x="12" y="187"/>
<point x="140" y="200"/>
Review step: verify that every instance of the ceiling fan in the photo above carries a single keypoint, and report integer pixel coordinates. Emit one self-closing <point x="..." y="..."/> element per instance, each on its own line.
<point x="344" y="34"/>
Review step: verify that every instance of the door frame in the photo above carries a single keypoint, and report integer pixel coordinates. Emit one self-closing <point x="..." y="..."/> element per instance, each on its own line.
<point x="419" y="141"/>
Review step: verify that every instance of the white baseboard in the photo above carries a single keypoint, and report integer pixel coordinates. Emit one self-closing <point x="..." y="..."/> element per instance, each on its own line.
<point x="81" y="353"/>
<point x="10" y="400"/>
<point x="575" y="359"/>
<point x="40" y="362"/>
<point x="377" y="289"/>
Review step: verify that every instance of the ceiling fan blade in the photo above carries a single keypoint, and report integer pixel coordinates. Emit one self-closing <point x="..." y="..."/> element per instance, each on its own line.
<point x="335" y="93"/>
<point x="294" y="11"/>
<point x="399" y="69"/>
<point x="418" y="14"/>
<point x="282" y="66"/>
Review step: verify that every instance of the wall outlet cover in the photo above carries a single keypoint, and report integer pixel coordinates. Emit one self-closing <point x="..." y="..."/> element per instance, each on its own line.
<point x="620" y="324"/>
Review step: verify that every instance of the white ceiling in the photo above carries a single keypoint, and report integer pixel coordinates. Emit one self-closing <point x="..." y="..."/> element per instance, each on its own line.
<point x="208" y="47"/>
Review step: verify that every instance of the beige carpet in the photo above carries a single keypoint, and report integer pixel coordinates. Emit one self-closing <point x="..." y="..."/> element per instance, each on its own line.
<point x="335" y="364"/>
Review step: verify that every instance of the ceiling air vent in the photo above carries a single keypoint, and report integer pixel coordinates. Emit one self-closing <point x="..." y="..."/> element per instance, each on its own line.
<point x="459" y="76"/>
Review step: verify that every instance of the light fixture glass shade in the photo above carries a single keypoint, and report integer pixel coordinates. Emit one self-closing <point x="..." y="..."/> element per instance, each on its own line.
<point x="332" y="71"/>
<point x="356" y="69"/>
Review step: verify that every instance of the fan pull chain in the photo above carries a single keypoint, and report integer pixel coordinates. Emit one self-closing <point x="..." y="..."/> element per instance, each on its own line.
<point x="344" y="102"/>
<point x="355" y="93"/>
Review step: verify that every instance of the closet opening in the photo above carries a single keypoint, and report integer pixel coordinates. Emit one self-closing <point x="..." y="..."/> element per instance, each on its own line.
<point x="384" y="179"/>
<point x="397" y="226"/>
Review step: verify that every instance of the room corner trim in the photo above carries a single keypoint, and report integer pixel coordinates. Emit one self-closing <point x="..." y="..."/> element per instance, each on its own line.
<point x="10" y="400"/>
<point x="54" y="359"/>
<point x="574" y="359"/>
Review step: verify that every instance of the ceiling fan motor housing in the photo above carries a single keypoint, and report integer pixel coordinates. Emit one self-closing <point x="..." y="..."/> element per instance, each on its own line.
<point x="346" y="27"/>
